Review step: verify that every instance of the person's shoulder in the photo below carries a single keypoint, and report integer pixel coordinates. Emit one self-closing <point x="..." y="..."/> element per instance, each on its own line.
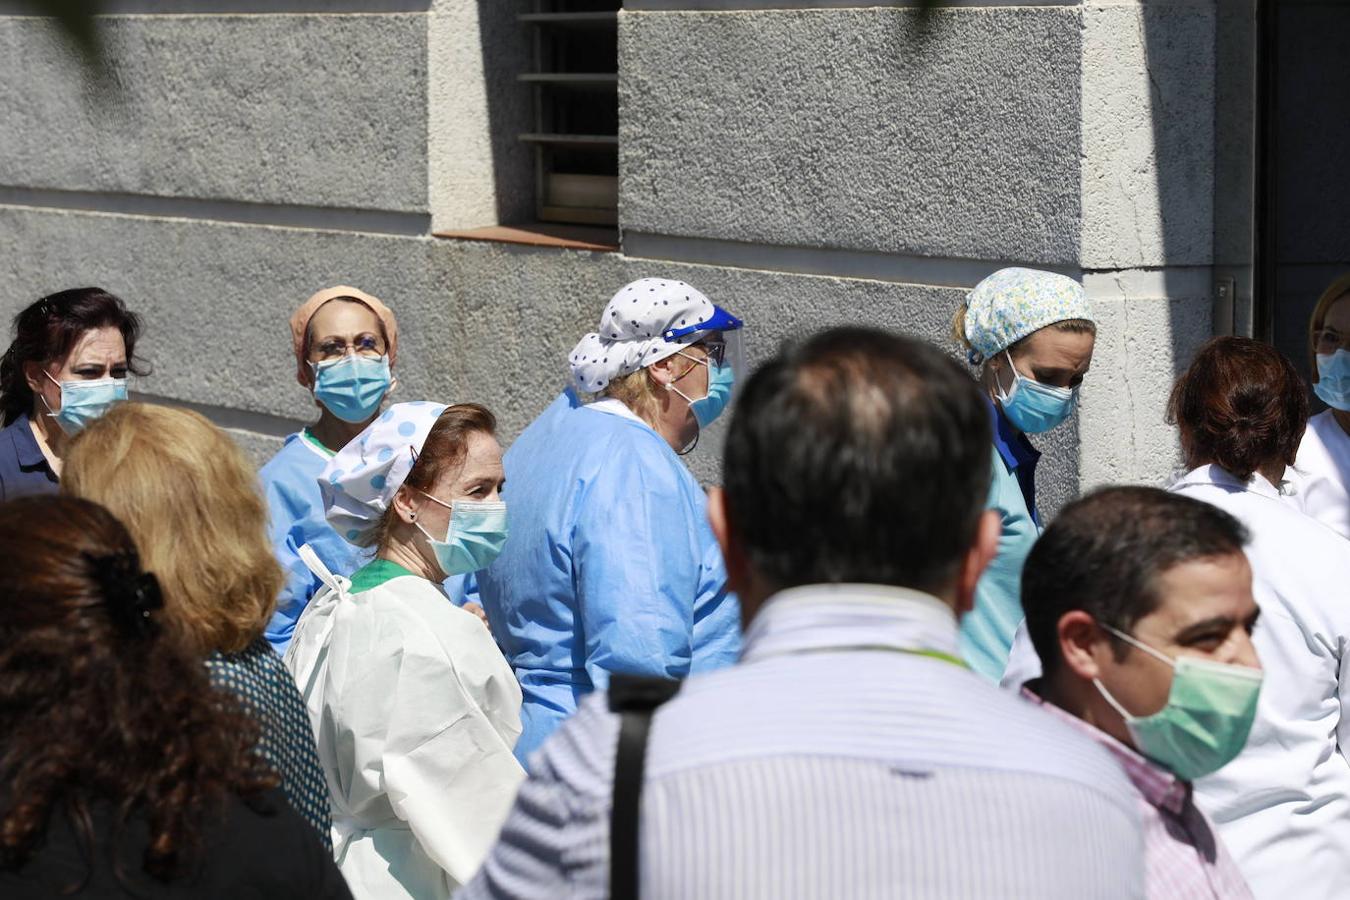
<point x="292" y="455"/>
<point x="581" y="752"/>
<point x="424" y="615"/>
<point x="269" y="847"/>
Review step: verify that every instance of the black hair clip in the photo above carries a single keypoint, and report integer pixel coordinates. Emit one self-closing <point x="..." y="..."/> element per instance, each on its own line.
<point x="130" y="595"/>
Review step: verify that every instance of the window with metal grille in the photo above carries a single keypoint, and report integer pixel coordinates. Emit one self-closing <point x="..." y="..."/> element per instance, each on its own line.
<point x="576" y="110"/>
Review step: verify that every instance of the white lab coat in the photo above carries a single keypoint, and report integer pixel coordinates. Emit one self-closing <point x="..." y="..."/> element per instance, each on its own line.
<point x="416" y="713"/>
<point x="1283" y="806"/>
<point x="1323" y="472"/>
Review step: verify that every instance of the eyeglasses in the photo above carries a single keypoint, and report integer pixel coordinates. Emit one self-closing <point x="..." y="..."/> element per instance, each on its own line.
<point x="1329" y="340"/>
<point x="716" y="350"/>
<point x="367" y="345"/>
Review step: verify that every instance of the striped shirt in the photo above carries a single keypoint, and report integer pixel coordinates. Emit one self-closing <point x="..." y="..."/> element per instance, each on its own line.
<point x="1184" y="856"/>
<point x="838" y="758"/>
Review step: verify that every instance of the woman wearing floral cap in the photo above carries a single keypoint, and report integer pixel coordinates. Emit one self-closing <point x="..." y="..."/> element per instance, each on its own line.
<point x="1032" y="333"/>
<point x="414" y="708"/>
<point x="612" y="566"/>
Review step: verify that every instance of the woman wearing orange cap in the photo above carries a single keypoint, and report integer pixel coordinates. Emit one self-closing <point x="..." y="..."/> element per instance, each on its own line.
<point x="345" y="344"/>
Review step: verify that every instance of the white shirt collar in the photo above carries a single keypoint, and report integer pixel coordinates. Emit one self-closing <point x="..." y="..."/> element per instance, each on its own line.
<point x="616" y="408"/>
<point x="828" y="616"/>
<point x="1220" y="477"/>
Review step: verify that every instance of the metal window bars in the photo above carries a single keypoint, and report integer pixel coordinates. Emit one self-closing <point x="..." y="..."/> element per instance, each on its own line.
<point x="576" y="110"/>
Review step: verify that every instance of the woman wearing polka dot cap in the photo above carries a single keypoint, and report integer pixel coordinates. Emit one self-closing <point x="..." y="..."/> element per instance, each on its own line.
<point x="415" y="710"/>
<point x="611" y="565"/>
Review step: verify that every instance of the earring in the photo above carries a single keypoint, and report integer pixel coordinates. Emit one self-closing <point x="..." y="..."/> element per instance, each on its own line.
<point x="412" y="516"/>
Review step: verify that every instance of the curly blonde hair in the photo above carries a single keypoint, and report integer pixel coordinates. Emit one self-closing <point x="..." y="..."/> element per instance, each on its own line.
<point x="191" y="501"/>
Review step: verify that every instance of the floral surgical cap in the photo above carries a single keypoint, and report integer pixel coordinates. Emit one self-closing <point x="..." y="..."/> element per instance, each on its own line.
<point x="359" y="483"/>
<point x="630" y="335"/>
<point x="1013" y="303"/>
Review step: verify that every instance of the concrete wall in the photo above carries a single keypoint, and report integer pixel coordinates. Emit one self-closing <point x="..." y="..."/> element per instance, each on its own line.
<point x="804" y="167"/>
<point x="1147" y="184"/>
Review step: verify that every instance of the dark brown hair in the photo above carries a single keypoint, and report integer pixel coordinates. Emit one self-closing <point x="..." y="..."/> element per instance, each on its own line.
<point x="97" y="703"/>
<point x="1240" y="405"/>
<point x="1106" y="553"/>
<point x="857" y="455"/>
<point x="49" y="328"/>
<point x="445" y="447"/>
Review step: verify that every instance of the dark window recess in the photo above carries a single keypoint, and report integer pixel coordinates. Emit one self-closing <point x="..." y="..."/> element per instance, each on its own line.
<point x="576" y="110"/>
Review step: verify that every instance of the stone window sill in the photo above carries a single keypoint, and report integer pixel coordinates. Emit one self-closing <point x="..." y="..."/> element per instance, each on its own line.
<point x="563" y="237"/>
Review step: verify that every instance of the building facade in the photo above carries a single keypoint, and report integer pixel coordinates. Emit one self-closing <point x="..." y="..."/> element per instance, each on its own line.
<point x="803" y="164"/>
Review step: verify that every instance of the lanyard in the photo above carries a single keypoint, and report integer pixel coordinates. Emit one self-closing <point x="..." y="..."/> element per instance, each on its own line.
<point x="884" y="648"/>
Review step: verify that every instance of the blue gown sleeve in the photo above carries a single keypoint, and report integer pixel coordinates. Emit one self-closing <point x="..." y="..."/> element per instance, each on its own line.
<point x="637" y="568"/>
<point x="717" y="611"/>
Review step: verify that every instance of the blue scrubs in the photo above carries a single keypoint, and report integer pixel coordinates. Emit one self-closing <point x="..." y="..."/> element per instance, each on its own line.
<point x="987" y="630"/>
<point x="610" y="567"/>
<point x="23" y="468"/>
<point x="290" y="484"/>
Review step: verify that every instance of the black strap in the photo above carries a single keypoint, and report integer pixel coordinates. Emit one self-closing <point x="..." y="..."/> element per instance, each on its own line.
<point x="635" y="698"/>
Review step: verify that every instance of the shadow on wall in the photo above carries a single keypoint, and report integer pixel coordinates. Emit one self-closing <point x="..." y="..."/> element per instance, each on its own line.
<point x="506" y="49"/>
<point x="1149" y="141"/>
<point x="1180" y="54"/>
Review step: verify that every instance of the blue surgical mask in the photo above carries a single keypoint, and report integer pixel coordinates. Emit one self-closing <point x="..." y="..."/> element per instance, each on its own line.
<point x="721" y="379"/>
<point x="351" y="388"/>
<point x="473" y="539"/>
<point x="84" y="401"/>
<point x="1034" y="407"/>
<point x="1333" y="379"/>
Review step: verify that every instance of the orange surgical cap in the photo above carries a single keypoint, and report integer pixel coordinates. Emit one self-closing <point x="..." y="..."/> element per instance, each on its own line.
<point x="300" y="323"/>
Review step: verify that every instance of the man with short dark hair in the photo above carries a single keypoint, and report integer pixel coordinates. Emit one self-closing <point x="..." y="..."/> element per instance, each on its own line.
<point x="1139" y="604"/>
<point x="849" y="753"/>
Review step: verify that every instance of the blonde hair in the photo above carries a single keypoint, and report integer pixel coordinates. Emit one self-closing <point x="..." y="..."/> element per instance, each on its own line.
<point x="1335" y="291"/>
<point x="190" y="499"/>
<point x="636" y="391"/>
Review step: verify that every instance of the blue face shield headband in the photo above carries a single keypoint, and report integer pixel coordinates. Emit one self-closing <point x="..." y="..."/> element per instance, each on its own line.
<point x="723" y="364"/>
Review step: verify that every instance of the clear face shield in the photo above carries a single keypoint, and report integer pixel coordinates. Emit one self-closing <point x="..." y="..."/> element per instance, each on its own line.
<point x="722" y="337"/>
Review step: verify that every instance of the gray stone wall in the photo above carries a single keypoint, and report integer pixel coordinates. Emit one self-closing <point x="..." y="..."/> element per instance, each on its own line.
<point x="803" y="167"/>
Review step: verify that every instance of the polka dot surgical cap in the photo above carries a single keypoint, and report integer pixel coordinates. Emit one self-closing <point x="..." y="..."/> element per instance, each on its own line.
<point x="632" y="328"/>
<point x="359" y="483"/>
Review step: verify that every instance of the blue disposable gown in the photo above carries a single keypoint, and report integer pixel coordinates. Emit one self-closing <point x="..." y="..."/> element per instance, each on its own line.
<point x="610" y="567"/>
<point x="290" y="484"/>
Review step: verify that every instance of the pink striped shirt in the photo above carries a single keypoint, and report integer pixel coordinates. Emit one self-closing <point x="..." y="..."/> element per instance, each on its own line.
<point x="1184" y="858"/>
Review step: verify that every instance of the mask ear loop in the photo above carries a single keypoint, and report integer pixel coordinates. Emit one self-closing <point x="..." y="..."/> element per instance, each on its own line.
<point x="1005" y="396"/>
<point x="671" y="387"/>
<point x="53" y="413"/>
<point x="1138" y="645"/>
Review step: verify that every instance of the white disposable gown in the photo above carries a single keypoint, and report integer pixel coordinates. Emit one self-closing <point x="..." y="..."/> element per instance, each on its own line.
<point x="415" y="713"/>
<point x="1323" y="472"/>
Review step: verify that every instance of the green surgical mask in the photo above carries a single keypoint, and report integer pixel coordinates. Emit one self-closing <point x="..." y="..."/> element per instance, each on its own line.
<point x="1208" y="714"/>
